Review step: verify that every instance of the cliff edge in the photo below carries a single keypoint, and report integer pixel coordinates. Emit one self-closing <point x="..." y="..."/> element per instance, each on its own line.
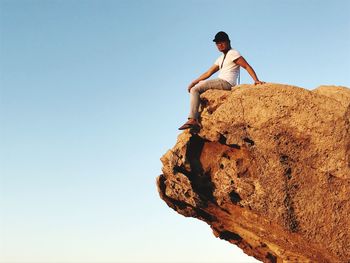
<point x="269" y="171"/>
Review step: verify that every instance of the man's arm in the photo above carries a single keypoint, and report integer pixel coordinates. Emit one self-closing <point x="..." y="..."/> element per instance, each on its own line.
<point x="244" y="64"/>
<point x="204" y="76"/>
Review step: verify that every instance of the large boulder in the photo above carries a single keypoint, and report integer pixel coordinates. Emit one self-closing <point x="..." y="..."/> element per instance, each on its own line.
<point x="269" y="171"/>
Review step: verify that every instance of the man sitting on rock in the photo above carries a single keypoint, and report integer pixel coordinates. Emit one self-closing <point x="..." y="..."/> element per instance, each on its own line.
<point x="228" y="66"/>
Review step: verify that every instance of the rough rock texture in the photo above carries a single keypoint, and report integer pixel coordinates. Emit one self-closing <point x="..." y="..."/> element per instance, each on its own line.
<point x="269" y="171"/>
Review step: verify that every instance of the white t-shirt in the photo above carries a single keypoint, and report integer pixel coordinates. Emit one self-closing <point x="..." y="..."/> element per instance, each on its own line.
<point x="229" y="70"/>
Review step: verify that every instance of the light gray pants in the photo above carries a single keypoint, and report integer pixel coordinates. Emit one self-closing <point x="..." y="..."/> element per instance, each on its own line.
<point x="201" y="87"/>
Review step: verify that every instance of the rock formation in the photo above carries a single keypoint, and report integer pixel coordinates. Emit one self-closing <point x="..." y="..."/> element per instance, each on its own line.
<point x="269" y="171"/>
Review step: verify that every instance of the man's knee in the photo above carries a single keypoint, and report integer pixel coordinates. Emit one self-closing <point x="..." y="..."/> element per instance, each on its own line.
<point x="195" y="89"/>
<point x="199" y="88"/>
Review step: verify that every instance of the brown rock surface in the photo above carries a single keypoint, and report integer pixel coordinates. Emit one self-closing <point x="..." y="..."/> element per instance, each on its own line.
<point x="269" y="171"/>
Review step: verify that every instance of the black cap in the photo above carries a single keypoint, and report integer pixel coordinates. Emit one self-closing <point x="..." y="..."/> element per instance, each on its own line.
<point x="221" y="36"/>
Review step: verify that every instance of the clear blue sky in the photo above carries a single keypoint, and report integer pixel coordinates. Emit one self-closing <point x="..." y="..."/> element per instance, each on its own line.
<point x="91" y="96"/>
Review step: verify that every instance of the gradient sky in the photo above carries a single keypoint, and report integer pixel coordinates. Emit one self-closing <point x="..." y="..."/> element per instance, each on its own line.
<point x="91" y="96"/>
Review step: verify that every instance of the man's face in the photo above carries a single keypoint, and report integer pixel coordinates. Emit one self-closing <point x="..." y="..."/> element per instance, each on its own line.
<point x="223" y="46"/>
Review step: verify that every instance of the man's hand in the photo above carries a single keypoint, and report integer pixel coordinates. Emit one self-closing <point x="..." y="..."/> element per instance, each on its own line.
<point x="259" y="82"/>
<point x="204" y="76"/>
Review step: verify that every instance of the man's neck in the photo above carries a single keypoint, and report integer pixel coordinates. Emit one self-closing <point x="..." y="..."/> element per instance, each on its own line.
<point x="227" y="50"/>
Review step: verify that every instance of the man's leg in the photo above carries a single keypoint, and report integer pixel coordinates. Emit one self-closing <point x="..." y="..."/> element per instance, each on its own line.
<point x="199" y="89"/>
<point x="195" y="92"/>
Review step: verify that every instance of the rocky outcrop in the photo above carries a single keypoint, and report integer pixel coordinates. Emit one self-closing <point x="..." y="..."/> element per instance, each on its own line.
<point x="269" y="171"/>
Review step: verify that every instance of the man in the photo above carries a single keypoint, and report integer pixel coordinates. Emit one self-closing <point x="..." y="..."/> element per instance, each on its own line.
<point x="228" y="66"/>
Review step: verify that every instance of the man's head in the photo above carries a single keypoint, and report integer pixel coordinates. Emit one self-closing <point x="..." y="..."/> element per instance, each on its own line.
<point x="222" y="41"/>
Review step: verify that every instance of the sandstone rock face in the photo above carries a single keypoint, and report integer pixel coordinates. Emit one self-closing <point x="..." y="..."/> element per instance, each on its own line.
<point x="269" y="171"/>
